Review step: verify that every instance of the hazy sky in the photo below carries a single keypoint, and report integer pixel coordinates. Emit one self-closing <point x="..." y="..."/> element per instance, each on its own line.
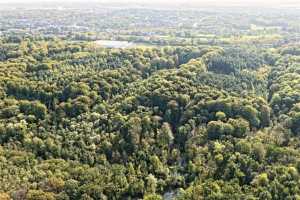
<point x="176" y="2"/>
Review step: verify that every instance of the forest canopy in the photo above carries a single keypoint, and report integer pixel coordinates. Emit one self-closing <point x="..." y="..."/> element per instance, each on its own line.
<point x="197" y="105"/>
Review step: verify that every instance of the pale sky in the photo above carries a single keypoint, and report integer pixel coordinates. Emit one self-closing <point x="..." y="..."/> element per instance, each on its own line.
<point x="175" y="2"/>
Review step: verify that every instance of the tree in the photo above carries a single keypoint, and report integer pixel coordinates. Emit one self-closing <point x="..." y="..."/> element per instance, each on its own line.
<point x="135" y="131"/>
<point x="152" y="197"/>
<point x="71" y="187"/>
<point x="241" y="127"/>
<point x="295" y="123"/>
<point x="39" y="195"/>
<point x="4" y="196"/>
<point x="219" y="129"/>
<point x="151" y="184"/>
<point x="165" y="135"/>
<point x="54" y="184"/>
<point x="220" y="116"/>
<point x="158" y="167"/>
<point x="35" y="108"/>
<point x="39" y="67"/>
<point x="261" y="179"/>
<point x="250" y="114"/>
<point x="215" y="129"/>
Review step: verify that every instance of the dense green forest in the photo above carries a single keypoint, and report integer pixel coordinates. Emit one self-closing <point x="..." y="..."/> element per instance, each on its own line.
<point x="188" y="113"/>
